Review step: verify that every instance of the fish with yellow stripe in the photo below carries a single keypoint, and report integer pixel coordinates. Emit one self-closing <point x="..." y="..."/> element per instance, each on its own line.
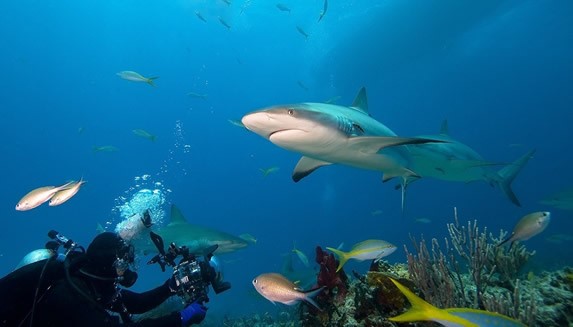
<point x="365" y="250"/>
<point x="452" y="317"/>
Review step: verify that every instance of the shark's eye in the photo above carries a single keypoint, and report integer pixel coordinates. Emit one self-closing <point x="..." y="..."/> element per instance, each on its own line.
<point x="254" y="281"/>
<point x="290" y="112"/>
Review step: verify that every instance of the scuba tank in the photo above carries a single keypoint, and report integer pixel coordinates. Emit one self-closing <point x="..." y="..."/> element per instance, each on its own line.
<point x="21" y="289"/>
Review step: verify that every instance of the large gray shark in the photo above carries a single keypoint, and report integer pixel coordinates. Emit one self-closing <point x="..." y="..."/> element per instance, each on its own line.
<point x="456" y="161"/>
<point x="325" y="134"/>
<point x="196" y="238"/>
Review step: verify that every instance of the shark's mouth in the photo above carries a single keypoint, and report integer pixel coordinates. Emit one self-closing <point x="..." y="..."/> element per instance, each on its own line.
<point x="285" y="131"/>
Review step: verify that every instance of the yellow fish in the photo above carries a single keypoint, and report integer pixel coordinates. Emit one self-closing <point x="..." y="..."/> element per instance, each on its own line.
<point x="365" y="250"/>
<point x="105" y="148"/>
<point x="303" y="258"/>
<point x="66" y="194"/>
<point x="145" y="134"/>
<point x="38" y="196"/>
<point x="136" y="77"/>
<point x="464" y="317"/>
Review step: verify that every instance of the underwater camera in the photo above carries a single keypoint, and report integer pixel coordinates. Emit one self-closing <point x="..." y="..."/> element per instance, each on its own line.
<point x="192" y="275"/>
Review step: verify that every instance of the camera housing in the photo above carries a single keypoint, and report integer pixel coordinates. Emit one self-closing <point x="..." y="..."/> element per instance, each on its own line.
<point x="192" y="275"/>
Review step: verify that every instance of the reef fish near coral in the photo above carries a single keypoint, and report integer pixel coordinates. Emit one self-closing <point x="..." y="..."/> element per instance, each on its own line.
<point x="365" y="250"/>
<point x="529" y="226"/>
<point x="453" y="317"/>
<point x="276" y="288"/>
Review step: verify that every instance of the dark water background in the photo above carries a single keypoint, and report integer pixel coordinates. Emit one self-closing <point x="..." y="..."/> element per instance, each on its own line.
<point x="499" y="71"/>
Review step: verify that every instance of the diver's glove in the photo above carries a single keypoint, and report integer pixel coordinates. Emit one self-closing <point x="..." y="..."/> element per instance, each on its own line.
<point x="194" y="313"/>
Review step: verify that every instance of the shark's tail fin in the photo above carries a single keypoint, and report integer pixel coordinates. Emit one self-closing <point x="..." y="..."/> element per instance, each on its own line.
<point x="505" y="176"/>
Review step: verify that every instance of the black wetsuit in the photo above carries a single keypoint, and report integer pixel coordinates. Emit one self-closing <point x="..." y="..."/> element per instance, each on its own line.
<point x="59" y="303"/>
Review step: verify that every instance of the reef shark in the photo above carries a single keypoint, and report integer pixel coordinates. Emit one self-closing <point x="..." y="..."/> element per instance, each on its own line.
<point x="326" y="133"/>
<point x="456" y="161"/>
<point x="196" y="238"/>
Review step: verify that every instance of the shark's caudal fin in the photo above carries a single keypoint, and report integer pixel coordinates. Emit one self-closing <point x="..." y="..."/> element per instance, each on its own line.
<point x="306" y="166"/>
<point x="505" y="176"/>
<point x="423" y="311"/>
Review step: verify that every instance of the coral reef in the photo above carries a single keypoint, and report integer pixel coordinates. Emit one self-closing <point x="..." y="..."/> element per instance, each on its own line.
<point x="335" y="283"/>
<point x="471" y="272"/>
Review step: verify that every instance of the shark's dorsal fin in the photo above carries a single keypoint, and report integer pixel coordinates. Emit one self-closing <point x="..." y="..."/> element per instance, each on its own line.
<point x="305" y="166"/>
<point x="444" y="130"/>
<point x="361" y="101"/>
<point x="176" y="216"/>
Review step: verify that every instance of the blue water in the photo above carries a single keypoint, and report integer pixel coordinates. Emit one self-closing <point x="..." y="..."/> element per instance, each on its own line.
<point x="499" y="71"/>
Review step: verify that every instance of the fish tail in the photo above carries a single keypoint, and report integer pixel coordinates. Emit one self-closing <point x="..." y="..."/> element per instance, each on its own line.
<point x="505" y="176"/>
<point x="308" y="295"/>
<point x="421" y="310"/>
<point x="342" y="257"/>
<point x="510" y="238"/>
<point x="151" y="79"/>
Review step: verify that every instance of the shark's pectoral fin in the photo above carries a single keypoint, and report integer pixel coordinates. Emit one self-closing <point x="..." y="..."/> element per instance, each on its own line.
<point x="305" y="166"/>
<point x="373" y="144"/>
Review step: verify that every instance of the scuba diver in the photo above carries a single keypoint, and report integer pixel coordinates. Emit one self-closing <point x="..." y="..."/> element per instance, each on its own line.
<point x="83" y="289"/>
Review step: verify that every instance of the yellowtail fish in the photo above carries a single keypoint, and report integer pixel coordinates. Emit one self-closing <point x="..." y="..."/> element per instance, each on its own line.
<point x="465" y="317"/>
<point x="529" y="226"/>
<point x="228" y="2"/>
<point x="301" y="31"/>
<point x="283" y="7"/>
<point x="197" y="95"/>
<point x="365" y="250"/>
<point x="145" y="134"/>
<point x="302" y="86"/>
<point x="302" y="257"/>
<point x="136" y="77"/>
<point x="224" y="22"/>
<point x="249" y="238"/>
<point x="38" y="196"/>
<point x="105" y="148"/>
<point x="198" y="14"/>
<point x="277" y="288"/>
<point x="66" y="194"/>
<point x="270" y="170"/>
